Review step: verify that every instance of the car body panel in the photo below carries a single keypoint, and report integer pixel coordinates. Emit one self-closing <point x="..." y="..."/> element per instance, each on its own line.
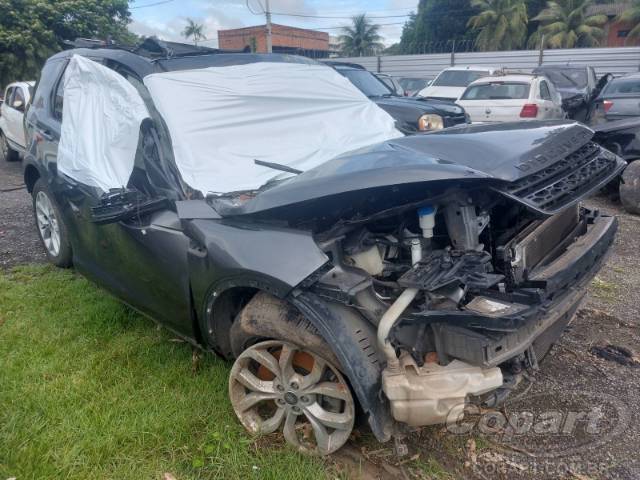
<point x="427" y="158"/>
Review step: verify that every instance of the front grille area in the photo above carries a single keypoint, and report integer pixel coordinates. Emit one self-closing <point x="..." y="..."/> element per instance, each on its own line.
<point x="454" y="120"/>
<point x="566" y="181"/>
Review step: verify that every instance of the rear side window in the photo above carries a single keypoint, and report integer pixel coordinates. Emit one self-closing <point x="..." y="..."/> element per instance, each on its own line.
<point x="497" y="91"/>
<point x="623" y="87"/>
<point x="18" y="96"/>
<point x="58" y="98"/>
<point x="544" y="91"/>
<point x="7" y="95"/>
<point x="458" y="78"/>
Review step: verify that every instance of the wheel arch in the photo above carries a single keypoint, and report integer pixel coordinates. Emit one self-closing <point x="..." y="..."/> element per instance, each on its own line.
<point x="31" y="176"/>
<point x="350" y="336"/>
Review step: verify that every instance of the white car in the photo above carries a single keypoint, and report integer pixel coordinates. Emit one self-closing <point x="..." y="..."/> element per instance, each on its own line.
<point x="451" y="82"/>
<point x="16" y="97"/>
<point x="511" y="98"/>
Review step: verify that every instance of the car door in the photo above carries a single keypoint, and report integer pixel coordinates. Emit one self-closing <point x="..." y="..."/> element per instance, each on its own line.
<point x="10" y="115"/>
<point x="141" y="259"/>
<point x="5" y="111"/>
<point x="18" y="106"/>
<point x="556" y="98"/>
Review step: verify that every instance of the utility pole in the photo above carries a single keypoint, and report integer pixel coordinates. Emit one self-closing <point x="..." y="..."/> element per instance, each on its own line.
<point x="267" y="12"/>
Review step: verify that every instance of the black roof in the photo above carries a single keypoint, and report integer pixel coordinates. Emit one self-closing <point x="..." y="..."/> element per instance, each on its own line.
<point x="153" y="56"/>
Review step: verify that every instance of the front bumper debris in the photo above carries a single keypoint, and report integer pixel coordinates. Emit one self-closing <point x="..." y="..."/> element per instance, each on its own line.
<point x="429" y="394"/>
<point x="426" y="395"/>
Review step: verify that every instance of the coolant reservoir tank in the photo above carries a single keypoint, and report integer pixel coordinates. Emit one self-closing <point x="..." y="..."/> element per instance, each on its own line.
<point x="427" y="218"/>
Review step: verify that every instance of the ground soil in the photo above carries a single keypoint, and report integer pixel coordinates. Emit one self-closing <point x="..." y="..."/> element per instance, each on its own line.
<point x="570" y="379"/>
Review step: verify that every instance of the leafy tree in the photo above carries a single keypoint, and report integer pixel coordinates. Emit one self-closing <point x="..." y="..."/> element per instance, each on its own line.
<point x="436" y="24"/>
<point x="194" y="30"/>
<point x="632" y="15"/>
<point x="361" y="38"/>
<point x="501" y="24"/>
<point x="565" y="24"/>
<point x="33" y="30"/>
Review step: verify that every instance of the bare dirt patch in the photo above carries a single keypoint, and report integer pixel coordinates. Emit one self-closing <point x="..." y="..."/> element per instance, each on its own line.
<point x="19" y="242"/>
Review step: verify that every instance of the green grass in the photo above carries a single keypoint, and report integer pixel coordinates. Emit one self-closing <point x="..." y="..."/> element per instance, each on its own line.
<point x="89" y="389"/>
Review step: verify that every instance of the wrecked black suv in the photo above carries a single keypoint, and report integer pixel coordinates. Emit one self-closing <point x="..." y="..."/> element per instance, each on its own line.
<point x="263" y="208"/>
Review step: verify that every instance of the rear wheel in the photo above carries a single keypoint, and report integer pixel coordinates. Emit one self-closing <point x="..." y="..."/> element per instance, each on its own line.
<point x="630" y="188"/>
<point x="6" y="152"/>
<point x="51" y="228"/>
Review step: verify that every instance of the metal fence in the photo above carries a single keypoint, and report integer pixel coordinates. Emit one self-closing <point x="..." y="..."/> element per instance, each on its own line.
<point x="605" y="60"/>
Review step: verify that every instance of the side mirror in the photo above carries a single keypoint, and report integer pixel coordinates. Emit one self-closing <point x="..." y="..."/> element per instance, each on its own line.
<point x="18" y="105"/>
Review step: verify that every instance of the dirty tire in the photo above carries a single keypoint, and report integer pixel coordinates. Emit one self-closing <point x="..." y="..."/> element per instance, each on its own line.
<point x="630" y="188"/>
<point x="51" y="226"/>
<point x="275" y="385"/>
<point x="6" y="152"/>
<point x="267" y="317"/>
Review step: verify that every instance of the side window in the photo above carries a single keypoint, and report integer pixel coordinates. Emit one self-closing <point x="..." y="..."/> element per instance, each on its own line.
<point x="544" y="91"/>
<point x="7" y="96"/>
<point x="58" y="98"/>
<point x="18" y="96"/>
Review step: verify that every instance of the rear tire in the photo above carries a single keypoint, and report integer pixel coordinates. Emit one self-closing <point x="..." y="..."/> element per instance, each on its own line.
<point x="6" y="152"/>
<point x="630" y="188"/>
<point x="52" y="231"/>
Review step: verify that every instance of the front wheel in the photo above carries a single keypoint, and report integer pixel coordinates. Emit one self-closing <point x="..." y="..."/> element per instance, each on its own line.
<point x="630" y="188"/>
<point x="51" y="227"/>
<point x="276" y="385"/>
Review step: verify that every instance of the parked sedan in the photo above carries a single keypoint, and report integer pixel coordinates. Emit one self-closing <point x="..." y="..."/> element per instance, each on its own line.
<point x="619" y="100"/>
<point x="12" y="141"/>
<point x="511" y="98"/>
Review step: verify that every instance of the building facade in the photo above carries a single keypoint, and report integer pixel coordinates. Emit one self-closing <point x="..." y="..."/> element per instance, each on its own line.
<point x="284" y="39"/>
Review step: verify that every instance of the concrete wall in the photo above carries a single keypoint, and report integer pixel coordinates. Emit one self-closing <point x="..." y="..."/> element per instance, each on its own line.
<point x="605" y="60"/>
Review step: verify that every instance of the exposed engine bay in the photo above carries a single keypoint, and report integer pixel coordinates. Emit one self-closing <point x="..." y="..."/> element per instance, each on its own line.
<point x="460" y="293"/>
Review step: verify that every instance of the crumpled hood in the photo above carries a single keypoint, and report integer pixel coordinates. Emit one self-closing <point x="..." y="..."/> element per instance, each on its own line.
<point x="502" y="153"/>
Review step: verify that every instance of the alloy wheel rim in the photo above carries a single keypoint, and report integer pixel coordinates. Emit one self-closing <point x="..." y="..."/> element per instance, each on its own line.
<point x="275" y="385"/>
<point x="48" y="225"/>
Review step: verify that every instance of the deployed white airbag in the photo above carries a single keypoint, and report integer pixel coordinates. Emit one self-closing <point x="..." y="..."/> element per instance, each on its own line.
<point x="223" y="118"/>
<point x="101" y="118"/>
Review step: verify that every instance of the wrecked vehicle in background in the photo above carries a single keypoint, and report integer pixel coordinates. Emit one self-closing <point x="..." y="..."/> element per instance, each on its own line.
<point x="340" y="267"/>
<point x="578" y="86"/>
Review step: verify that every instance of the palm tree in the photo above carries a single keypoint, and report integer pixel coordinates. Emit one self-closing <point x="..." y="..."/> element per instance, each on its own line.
<point x="361" y="38"/>
<point x="502" y="24"/>
<point x="194" y="30"/>
<point x="631" y="15"/>
<point x="565" y="24"/>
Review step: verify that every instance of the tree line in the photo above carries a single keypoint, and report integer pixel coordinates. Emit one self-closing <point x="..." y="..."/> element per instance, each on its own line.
<point x="491" y="25"/>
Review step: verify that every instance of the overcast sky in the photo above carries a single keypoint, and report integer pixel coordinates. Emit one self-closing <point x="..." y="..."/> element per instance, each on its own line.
<point x="167" y="18"/>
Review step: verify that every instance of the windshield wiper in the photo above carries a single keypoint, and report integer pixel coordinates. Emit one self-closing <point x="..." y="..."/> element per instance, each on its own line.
<point x="277" y="166"/>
